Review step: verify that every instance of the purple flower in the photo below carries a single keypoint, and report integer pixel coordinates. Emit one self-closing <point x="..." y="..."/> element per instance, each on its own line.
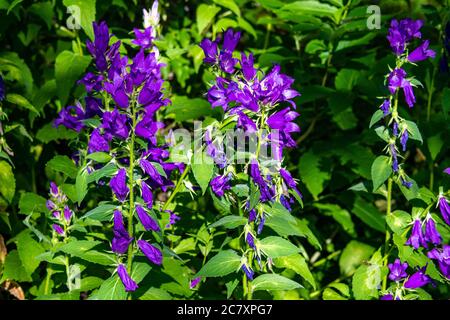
<point x="416" y="239"/>
<point x="404" y="139"/>
<point x="92" y="81"/>
<point x="250" y="241"/>
<point x="115" y="125"/>
<point x="409" y="94"/>
<point x="418" y="279"/>
<point x="447" y="171"/>
<point x="70" y="117"/>
<point x="147" y="128"/>
<point x="276" y="87"/>
<point x="129" y="283"/>
<point x="247" y="66"/>
<point x="119" y="186"/>
<point x="54" y="190"/>
<point x="290" y="182"/>
<point x="393" y="151"/>
<point x="431" y="234"/>
<point x="248" y="271"/>
<point x="252" y="215"/>
<point x="143" y="38"/>
<point x="246" y="123"/>
<point x="387" y="297"/>
<point x="67" y="213"/>
<point x="421" y="52"/>
<point x="50" y="205"/>
<point x="266" y="192"/>
<point x="444" y="207"/>
<point x="227" y="62"/>
<point x="220" y="94"/>
<point x="2" y="89"/>
<point x="195" y="282"/>
<point x="220" y="184"/>
<point x="230" y="40"/>
<point x="396" y="79"/>
<point x="97" y="142"/>
<point x="262" y="221"/>
<point x="149" y="169"/>
<point x="215" y="151"/>
<point x="385" y="107"/>
<point x="58" y="229"/>
<point x="93" y="106"/>
<point x="401" y="33"/>
<point x="173" y="218"/>
<point x="406" y="183"/>
<point x="147" y="221"/>
<point x="147" y="194"/>
<point x="100" y="45"/>
<point x="211" y="51"/>
<point x="283" y="121"/>
<point x="151" y="252"/>
<point x="121" y="239"/>
<point x="443" y="259"/>
<point x="397" y="270"/>
<point x="117" y="89"/>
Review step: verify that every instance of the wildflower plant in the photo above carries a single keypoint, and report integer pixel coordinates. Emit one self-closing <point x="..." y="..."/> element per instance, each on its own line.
<point x="247" y="147"/>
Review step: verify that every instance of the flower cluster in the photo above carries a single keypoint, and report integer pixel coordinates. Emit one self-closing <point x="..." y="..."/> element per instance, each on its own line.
<point x="61" y="214"/>
<point x="401" y="34"/>
<point x="252" y="100"/>
<point x="124" y="95"/>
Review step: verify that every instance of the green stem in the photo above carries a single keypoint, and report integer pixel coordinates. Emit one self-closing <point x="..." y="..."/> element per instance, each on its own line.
<point x="131" y="187"/>
<point x="47" y="281"/>
<point x="431" y="176"/>
<point x="388" y="234"/>
<point x="177" y="188"/>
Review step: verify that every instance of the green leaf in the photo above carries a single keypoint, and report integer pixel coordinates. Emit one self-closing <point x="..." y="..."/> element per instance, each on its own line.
<point x="139" y="271"/>
<point x="346" y="79"/>
<point x="275" y="247"/>
<point x="369" y="214"/>
<point x="203" y="169"/>
<point x="377" y="116"/>
<point x="101" y="213"/>
<point x="111" y="289"/>
<point x="311" y="8"/>
<point x="383" y="133"/>
<point x="17" y="69"/>
<point x="365" y="282"/>
<point x="205" y="15"/>
<point x="28" y="250"/>
<point x="435" y="144"/>
<point x="413" y="130"/>
<point x="446" y="102"/>
<point x="231" y="286"/>
<point x="64" y="165"/>
<point x="69" y="67"/>
<point x="81" y="185"/>
<point x="273" y="282"/>
<point x="398" y="221"/>
<point x="381" y="171"/>
<point x="184" y="108"/>
<point x="107" y="171"/>
<point x="101" y="157"/>
<point x="30" y="203"/>
<point x="155" y="294"/>
<point x="225" y="262"/>
<point x="49" y="133"/>
<point x="311" y="174"/>
<point x="229" y="222"/>
<point x="229" y="4"/>
<point x="21" y="101"/>
<point x="7" y="181"/>
<point x="342" y="216"/>
<point x="298" y="264"/>
<point x="13" y="268"/>
<point x="354" y="254"/>
<point x="409" y="193"/>
<point x="87" y="14"/>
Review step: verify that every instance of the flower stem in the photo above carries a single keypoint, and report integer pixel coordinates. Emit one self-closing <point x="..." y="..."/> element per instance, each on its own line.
<point x="388" y="234"/>
<point x="177" y="188"/>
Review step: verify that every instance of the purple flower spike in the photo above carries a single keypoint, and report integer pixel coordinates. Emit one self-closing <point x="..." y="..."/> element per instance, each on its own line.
<point x="220" y="184"/>
<point x="418" y="279"/>
<point x="151" y="252"/>
<point x="404" y="139"/>
<point x="195" y="282"/>
<point x="444" y="207"/>
<point x="121" y="239"/>
<point x="416" y="239"/>
<point x="255" y="173"/>
<point x="421" y="52"/>
<point x="129" y="283"/>
<point x="385" y="107"/>
<point x="119" y="186"/>
<point x="397" y="270"/>
<point x="290" y="182"/>
<point x="147" y="221"/>
<point x="447" y="171"/>
<point x="431" y="234"/>
<point x="115" y="125"/>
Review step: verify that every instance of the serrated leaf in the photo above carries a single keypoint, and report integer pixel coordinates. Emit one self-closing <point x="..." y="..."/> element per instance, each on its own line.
<point x="275" y="247"/>
<point x="413" y="130"/>
<point x="229" y="222"/>
<point x="369" y="214"/>
<point x="64" y="165"/>
<point x="353" y="255"/>
<point x="205" y="14"/>
<point x="203" y="169"/>
<point x="298" y="264"/>
<point x="7" y="181"/>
